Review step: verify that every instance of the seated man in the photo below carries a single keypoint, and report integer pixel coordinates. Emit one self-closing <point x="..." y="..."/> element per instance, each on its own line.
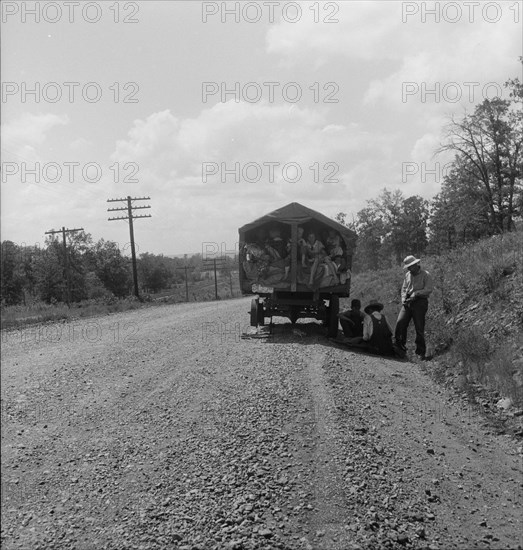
<point x="377" y="334"/>
<point x="352" y="320"/>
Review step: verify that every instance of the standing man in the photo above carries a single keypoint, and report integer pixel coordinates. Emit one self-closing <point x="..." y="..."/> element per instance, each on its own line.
<point x="415" y="291"/>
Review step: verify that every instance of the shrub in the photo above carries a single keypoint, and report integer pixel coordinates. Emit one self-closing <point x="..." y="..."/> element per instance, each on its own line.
<point x="471" y="345"/>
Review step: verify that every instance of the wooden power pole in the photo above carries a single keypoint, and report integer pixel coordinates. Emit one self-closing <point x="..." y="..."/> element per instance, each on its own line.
<point x="67" y="274"/>
<point x="210" y="263"/>
<point x="130" y="216"/>
<point x="186" y="280"/>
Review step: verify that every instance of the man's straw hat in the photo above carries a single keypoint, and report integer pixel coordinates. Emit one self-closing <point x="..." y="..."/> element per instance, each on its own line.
<point x="408" y="261"/>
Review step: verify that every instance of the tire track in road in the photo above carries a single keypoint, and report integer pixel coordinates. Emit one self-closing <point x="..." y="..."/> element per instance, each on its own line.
<point x="448" y="483"/>
<point x="328" y="521"/>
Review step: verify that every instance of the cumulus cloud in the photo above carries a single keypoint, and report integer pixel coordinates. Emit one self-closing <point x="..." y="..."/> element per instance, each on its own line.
<point x="361" y="31"/>
<point x="418" y="49"/>
<point x="21" y="136"/>
<point x="170" y="152"/>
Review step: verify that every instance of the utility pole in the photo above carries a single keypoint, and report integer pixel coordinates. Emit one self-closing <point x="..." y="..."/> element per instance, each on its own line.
<point x="67" y="275"/>
<point x="130" y="216"/>
<point x="186" y="285"/>
<point x="215" y="281"/>
<point x="210" y="263"/>
<point x="186" y="279"/>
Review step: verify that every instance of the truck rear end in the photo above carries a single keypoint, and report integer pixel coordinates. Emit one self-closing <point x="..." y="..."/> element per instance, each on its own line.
<point x="297" y="263"/>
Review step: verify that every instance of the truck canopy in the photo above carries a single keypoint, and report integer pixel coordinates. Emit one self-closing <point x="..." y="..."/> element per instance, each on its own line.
<point x="296" y="248"/>
<point x="295" y="212"/>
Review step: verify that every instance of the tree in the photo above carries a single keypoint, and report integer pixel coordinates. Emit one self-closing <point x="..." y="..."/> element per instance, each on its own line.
<point x="79" y="245"/>
<point x="156" y="272"/>
<point x="49" y="267"/>
<point x="389" y="228"/>
<point x="111" y="268"/>
<point x="11" y="272"/>
<point x="49" y="272"/>
<point x="411" y="232"/>
<point x="488" y="144"/>
<point x="370" y="232"/>
<point x="388" y="208"/>
<point x="95" y="288"/>
<point x="460" y="212"/>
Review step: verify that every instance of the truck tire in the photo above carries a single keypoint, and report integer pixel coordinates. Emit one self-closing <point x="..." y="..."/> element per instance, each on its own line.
<point x="261" y="314"/>
<point x="332" y="319"/>
<point x="254" y="312"/>
<point x="294" y="314"/>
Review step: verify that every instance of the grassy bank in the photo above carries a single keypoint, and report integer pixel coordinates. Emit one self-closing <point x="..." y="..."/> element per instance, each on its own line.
<point x="40" y="312"/>
<point x="475" y="318"/>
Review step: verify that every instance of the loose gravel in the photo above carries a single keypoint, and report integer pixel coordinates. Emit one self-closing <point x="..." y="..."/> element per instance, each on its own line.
<point x="162" y="428"/>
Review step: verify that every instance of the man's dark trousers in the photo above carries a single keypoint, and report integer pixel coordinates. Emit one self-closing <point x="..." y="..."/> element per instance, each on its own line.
<point x="415" y="310"/>
<point x="350" y="330"/>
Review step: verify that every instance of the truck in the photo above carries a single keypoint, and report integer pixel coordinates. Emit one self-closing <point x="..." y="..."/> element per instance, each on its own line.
<point x="296" y="263"/>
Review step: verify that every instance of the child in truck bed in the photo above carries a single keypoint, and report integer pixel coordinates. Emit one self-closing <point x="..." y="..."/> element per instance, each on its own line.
<point x="313" y="250"/>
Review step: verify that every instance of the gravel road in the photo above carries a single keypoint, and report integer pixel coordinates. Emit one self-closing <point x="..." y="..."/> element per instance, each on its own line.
<point x="161" y="428"/>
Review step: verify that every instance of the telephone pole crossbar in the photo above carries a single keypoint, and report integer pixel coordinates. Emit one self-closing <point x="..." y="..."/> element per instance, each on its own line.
<point x="130" y="216"/>
<point x="67" y="274"/>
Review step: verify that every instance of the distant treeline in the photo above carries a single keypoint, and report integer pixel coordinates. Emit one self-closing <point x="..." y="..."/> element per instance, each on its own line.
<point x="96" y="270"/>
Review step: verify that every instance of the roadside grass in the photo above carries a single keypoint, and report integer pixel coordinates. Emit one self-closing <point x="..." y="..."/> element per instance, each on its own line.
<point x="475" y="318"/>
<point x="40" y="312"/>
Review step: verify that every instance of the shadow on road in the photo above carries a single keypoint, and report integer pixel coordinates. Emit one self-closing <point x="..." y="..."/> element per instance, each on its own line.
<point x="311" y="332"/>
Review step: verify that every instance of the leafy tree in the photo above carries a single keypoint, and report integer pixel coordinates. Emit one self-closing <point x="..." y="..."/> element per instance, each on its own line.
<point x="29" y="253"/>
<point x="95" y="288"/>
<point x="49" y="272"/>
<point x="156" y="272"/>
<point x="459" y="213"/>
<point x="111" y="268"/>
<point x="410" y="236"/>
<point x="488" y="144"/>
<point x="11" y="272"/>
<point x="388" y="208"/>
<point x="370" y="230"/>
<point x="50" y="267"/>
<point x="389" y="228"/>
<point x="79" y="245"/>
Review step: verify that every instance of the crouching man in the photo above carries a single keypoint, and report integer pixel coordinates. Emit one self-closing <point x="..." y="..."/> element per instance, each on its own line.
<point x="376" y="330"/>
<point x="377" y="334"/>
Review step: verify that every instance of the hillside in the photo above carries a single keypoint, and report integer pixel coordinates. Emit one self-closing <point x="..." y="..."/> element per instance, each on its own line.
<point x="475" y="319"/>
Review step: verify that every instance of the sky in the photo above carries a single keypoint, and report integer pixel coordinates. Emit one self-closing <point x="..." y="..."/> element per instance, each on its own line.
<point x="221" y="112"/>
